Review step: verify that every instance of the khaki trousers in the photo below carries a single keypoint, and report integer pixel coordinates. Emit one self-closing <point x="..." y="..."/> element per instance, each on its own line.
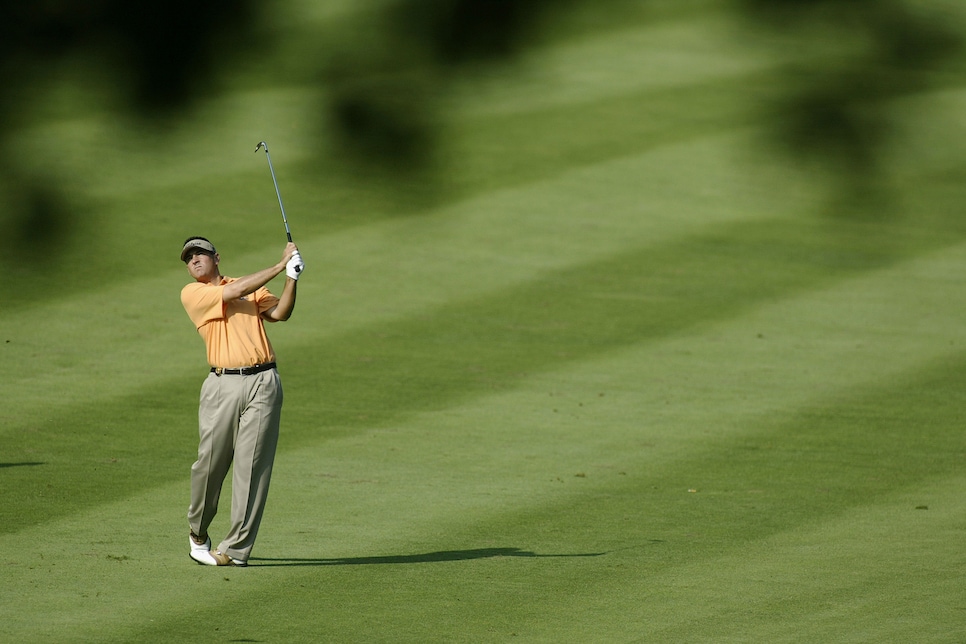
<point x="238" y="420"/>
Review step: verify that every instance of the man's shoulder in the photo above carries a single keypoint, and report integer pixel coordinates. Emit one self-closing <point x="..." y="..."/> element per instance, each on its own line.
<point x="192" y="287"/>
<point x="195" y="290"/>
<point x="196" y="285"/>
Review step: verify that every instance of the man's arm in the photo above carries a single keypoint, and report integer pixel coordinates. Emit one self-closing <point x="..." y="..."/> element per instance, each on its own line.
<point x="286" y="303"/>
<point x="251" y="283"/>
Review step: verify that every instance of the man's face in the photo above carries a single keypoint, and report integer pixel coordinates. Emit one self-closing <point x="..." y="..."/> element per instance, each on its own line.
<point x="202" y="265"/>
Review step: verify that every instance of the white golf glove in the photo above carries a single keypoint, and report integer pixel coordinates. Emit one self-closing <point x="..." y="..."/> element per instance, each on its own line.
<point x="294" y="266"/>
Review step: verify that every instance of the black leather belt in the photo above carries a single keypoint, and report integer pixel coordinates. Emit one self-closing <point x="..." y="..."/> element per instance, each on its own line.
<point x="244" y="371"/>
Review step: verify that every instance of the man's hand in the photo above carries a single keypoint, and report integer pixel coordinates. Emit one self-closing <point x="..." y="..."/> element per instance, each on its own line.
<point x="290" y="249"/>
<point x="294" y="266"/>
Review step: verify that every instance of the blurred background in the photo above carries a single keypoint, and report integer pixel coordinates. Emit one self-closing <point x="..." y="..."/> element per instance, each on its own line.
<point x="372" y="105"/>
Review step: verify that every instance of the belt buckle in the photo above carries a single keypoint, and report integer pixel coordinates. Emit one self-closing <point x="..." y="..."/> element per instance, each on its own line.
<point x="219" y="371"/>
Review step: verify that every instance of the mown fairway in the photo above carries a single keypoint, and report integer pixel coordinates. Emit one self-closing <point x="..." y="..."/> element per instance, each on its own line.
<point x="628" y="377"/>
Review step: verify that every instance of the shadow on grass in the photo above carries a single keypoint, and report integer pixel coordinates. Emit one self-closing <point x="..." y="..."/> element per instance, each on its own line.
<point x="3" y="465"/>
<point x="429" y="557"/>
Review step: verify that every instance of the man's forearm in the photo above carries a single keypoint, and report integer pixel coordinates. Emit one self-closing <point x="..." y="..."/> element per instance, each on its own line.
<point x="251" y="283"/>
<point x="286" y="302"/>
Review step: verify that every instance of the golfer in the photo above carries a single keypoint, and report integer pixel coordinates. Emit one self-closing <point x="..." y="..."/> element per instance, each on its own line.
<point x="241" y="400"/>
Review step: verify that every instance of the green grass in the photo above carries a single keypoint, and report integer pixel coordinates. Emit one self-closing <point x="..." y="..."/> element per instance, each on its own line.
<point x="626" y="377"/>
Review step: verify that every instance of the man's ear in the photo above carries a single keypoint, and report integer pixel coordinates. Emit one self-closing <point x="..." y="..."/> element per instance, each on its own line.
<point x="217" y="259"/>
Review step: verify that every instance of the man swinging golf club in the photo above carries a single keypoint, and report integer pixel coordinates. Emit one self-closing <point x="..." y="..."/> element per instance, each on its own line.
<point x="241" y="399"/>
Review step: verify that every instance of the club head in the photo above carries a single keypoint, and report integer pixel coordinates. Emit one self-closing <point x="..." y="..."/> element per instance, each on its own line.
<point x="261" y="144"/>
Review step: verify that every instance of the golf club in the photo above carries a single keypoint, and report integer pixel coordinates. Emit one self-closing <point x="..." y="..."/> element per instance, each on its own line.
<point x="262" y="144"/>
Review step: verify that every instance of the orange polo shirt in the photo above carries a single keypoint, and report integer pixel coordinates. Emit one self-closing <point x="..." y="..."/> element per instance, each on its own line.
<point x="234" y="332"/>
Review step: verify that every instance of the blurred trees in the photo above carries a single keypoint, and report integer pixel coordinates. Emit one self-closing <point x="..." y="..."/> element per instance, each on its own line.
<point x="155" y="59"/>
<point x="836" y="112"/>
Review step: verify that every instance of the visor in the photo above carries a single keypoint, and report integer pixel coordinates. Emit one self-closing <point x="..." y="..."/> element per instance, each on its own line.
<point x="199" y="244"/>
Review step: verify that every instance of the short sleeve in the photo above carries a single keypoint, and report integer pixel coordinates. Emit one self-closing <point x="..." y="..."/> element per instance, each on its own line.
<point x="264" y="299"/>
<point x="203" y="303"/>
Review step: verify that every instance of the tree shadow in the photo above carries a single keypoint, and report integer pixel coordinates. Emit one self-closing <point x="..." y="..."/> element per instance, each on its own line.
<point x="3" y="465"/>
<point x="429" y="557"/>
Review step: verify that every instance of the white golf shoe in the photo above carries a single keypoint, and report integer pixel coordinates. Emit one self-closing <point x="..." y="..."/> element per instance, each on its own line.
<point x="202" y="553"/>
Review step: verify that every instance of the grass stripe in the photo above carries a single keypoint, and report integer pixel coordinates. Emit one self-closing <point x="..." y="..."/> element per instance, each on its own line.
<point x="629" y="59"/>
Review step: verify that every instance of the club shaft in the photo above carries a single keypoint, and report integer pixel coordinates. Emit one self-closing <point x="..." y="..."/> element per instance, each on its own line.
<point x="278" y="193"/>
